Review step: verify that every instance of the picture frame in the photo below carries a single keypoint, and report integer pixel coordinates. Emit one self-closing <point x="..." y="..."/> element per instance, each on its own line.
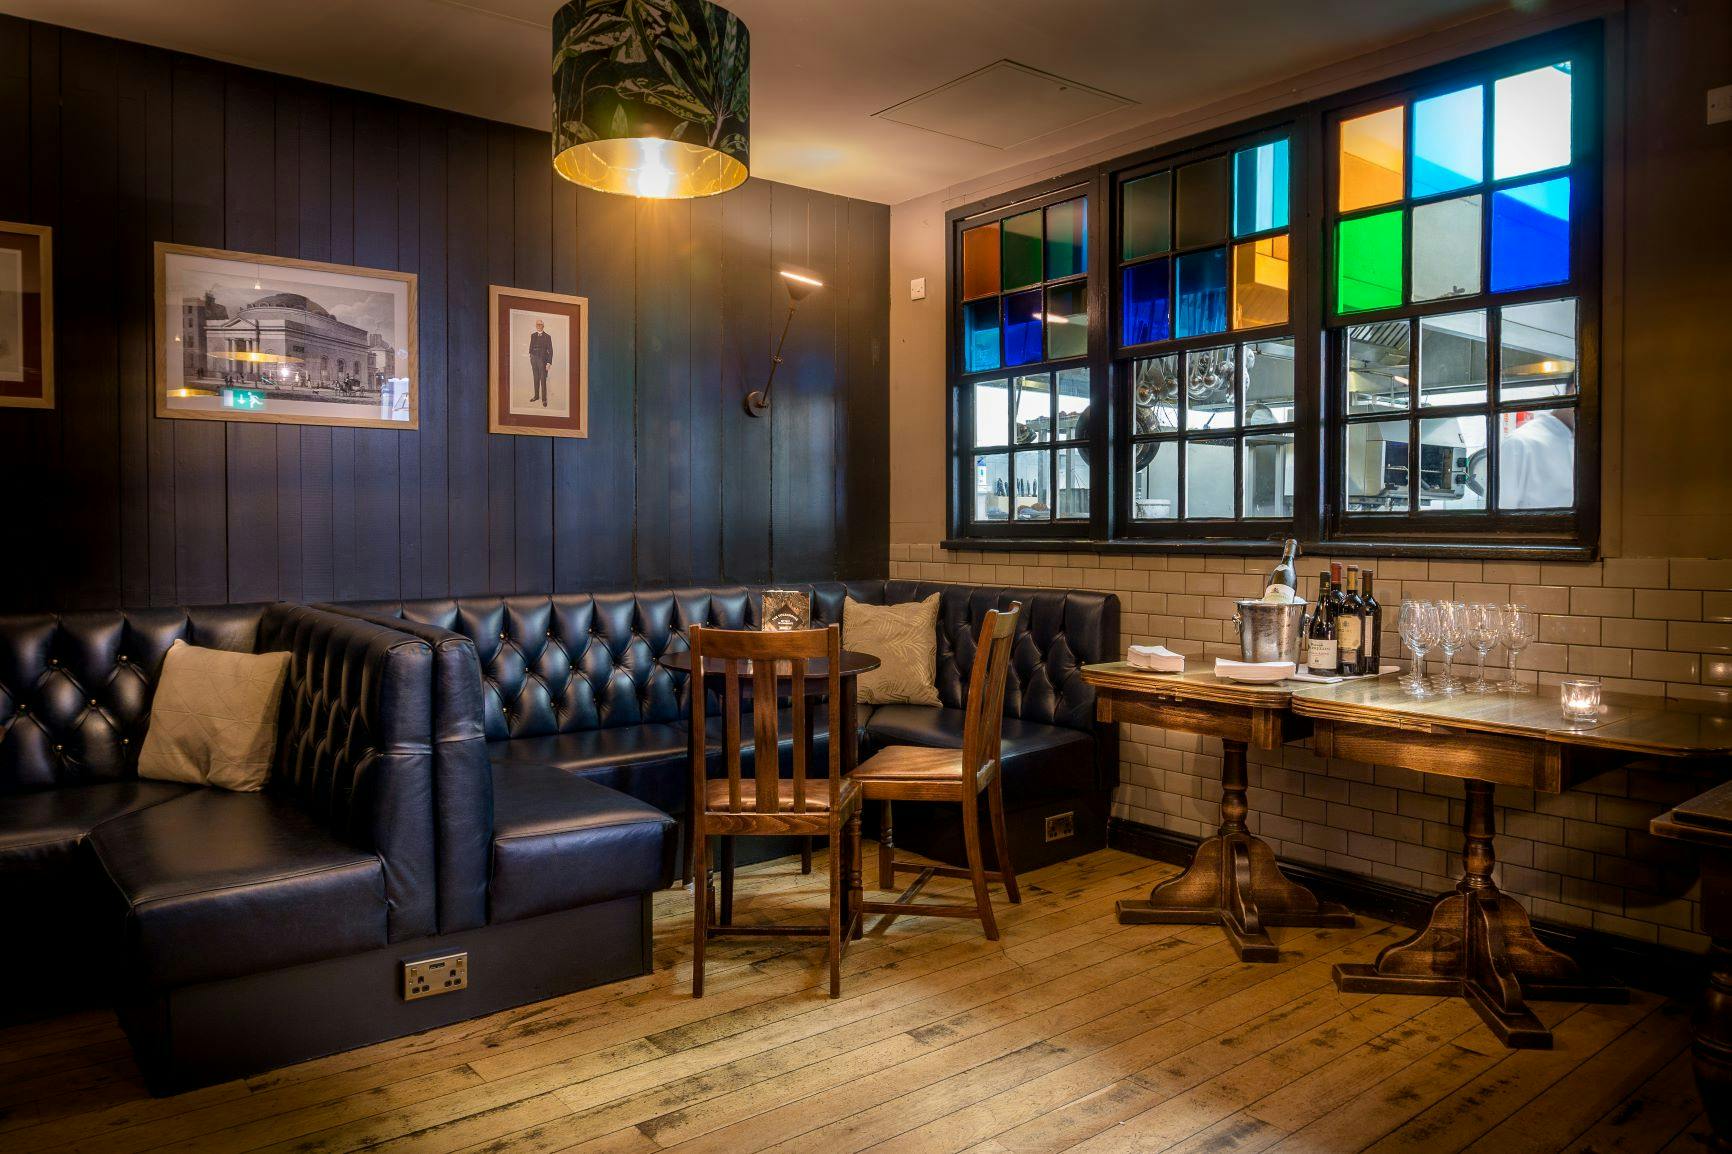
<point x="26" y="316"/>
<point x="253" y="337"/>
<point x="538" y="363"/>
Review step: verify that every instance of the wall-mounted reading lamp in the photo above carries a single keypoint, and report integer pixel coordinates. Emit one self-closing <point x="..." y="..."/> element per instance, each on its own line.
<point x="799" y="288"/>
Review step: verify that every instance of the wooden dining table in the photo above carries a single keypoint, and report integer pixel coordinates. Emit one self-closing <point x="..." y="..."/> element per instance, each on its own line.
<point x="1478" y="943"/>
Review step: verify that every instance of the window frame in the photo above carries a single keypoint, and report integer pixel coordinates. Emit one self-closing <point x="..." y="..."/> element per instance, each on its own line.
<point x="1318" y="334"/>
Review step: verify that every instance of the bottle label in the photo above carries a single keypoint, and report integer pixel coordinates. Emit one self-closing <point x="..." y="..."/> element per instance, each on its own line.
<point x="1323" y="658"/>
<point x="1280" y="593"/>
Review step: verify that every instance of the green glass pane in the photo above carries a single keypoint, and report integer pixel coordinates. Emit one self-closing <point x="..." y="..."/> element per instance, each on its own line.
<point x="1148" y="215"/>
<point x="1368" y="262"/>
<point x="1067" y="237"/>
<point x="1022" y="251"/>
<point x="1067" y="321"/>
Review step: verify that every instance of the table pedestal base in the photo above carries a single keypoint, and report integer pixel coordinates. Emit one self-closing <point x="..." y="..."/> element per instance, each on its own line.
<point x="1234" y="882"/>
<point x="1479" y="945"/>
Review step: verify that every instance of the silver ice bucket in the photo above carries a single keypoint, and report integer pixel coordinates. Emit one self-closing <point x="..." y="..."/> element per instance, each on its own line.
<point x="1269" y="632"/>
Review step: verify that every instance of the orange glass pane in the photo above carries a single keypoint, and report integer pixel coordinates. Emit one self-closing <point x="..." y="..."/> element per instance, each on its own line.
<point x="980" y="261"/>
<point x="1260" y="282"/>
<point x="1373" y="158"/>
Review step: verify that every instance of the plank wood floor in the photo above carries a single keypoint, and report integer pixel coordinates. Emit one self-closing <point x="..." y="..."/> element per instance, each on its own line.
<point x="1073" y="1033"/>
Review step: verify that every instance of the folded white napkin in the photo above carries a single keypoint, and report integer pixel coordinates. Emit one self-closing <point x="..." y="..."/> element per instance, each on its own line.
<point x="1253" y="670"/>
<point x="1157" y="658"/>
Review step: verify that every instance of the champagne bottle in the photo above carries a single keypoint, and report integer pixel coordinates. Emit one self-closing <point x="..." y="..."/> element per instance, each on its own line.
<point x="1321" y="656"/>
<point x="1283" y="583"/>
<point x="1350" y="626"/>
<point x="1371" y="658"/>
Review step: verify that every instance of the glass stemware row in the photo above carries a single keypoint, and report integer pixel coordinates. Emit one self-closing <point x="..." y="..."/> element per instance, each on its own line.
<point x="1450" y="627"/>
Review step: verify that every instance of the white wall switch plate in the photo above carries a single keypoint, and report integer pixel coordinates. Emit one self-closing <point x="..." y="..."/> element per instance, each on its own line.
<point x="1720" y="104"/>
<point x="917" y="289"/>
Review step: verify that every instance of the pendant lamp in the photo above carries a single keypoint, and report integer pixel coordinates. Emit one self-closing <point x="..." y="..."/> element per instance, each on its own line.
<point x="651" y="98"/>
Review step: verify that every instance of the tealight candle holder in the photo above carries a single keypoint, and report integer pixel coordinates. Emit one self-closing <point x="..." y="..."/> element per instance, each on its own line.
<point x="1581" y="700"/>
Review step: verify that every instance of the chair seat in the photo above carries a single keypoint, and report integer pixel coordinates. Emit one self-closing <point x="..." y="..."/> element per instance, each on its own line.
<point x="817" y="794"/>
<point x="911" y="763"/>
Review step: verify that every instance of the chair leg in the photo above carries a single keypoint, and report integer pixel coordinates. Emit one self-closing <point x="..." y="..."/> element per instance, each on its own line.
<point x="856" y="891"/>
<point x="982" y="899"/>
<point x="726" y="847"/>
<point x="1001" y="840"/>
<point x="836" y="902"/>
<point x="700" y="910"/>
<point x="886" y="852"/>
<point x="686" y="844"/>
<point x="805" y="855"/>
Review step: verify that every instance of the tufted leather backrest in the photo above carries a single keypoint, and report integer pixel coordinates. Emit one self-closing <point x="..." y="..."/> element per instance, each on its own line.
<point x="577" y="661"/>
<point x="76" y="688"/>
<point x="355" y="749"/>
<point x="462" y="774"/>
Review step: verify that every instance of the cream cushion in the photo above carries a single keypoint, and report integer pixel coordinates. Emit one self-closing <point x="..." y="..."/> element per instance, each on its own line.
<point x="904" y="639"/>
<point x="214" y="718"/>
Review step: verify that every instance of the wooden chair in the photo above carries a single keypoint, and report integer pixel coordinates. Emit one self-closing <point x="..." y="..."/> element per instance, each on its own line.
<point x="918" y="773"/>
<point x="767" y="804"/>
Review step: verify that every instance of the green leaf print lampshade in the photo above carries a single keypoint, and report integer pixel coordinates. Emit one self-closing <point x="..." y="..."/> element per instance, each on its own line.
<point x="651" y="97"/>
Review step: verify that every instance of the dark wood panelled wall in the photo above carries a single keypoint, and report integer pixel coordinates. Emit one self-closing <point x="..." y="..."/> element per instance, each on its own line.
<point x="118" y="145"/>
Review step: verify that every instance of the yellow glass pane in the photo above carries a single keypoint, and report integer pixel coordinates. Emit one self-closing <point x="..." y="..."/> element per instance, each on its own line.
<point x="980" y="261"/>
<point x="1373" y="156"/>
<point x="1260" y="282"/>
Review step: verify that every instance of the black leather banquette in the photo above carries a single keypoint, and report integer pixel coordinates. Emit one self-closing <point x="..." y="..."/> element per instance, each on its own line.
<point x="240" y="930"/>
<point x="572" y="682"/>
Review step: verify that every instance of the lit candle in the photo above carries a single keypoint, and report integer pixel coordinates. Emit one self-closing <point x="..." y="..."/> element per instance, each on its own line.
<point x="1581" y="700"/>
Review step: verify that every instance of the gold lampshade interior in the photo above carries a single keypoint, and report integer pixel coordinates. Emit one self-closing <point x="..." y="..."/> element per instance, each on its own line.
<point x="650" y="167"/>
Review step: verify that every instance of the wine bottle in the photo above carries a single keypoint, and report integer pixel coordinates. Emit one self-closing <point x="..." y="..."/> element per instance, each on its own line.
<point x="1321" y="656"/>
<point x="1283" y="583"/>
<point x="1350" y="626"/>
<point x="1371" y="658"/>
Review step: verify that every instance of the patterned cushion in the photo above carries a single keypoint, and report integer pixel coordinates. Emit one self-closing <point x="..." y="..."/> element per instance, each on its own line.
<point x="904" y="638"/>
<point x="214" y="718"/>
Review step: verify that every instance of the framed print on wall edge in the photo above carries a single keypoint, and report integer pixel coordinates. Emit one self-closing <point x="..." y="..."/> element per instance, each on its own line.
<point x="251" y="337"/>
<point x="26" y="316"/>
<point x="538" y="363"/>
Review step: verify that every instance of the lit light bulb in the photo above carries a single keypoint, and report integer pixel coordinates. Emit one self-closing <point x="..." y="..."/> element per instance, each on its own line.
<point x="654" y="177"/>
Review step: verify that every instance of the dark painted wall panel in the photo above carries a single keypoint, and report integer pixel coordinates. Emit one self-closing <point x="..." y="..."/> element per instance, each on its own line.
<point x="125" y="145"/>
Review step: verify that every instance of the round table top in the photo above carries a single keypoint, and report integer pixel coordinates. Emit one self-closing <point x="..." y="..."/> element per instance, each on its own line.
<point x="817" y="668"/>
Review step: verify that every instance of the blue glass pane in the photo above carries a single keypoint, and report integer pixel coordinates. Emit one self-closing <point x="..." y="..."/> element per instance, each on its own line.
<point x="1022" y="318"/>
<point x="1530" y="235"/>
<point x="980" y="335"/>
<point x="1147" y="303"/>
<point x="1260" y="188"/>
<point x="1202" y="293"/>
<point x="1448" y="141"/>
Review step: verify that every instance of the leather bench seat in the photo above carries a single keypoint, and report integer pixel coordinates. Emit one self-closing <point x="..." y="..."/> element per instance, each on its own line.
<point x="215" y="885"/>
<point x="561" y="842"/>
<point x="1039" y="761"/>
<point x="40" y="832"/>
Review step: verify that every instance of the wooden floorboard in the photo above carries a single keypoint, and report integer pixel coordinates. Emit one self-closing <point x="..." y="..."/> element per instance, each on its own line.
<point x="1071" y="1033"/>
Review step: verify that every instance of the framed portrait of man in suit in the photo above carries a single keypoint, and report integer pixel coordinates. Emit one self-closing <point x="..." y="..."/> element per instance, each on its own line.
<point x="26" y="316"/>
<point x="538" y="371"/>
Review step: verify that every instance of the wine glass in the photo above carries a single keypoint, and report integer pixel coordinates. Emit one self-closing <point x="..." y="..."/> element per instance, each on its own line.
<point x="1485" y="630"/>
<point x="1452" y="638"/>
<point x="1418" y="623"/>
<point x="1521" y="626"/>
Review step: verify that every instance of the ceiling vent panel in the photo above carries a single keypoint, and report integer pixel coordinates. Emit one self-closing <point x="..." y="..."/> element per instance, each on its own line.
<point x="1003" y="105"/>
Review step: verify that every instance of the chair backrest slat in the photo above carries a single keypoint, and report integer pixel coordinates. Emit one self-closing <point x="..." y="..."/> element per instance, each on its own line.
<point x="984" y="718"/>
<point x="777" y="663"/>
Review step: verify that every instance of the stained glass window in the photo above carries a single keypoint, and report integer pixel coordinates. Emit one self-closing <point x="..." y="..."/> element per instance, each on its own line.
<point x="1260" y="289"/>
<point x="1146" y="215"/>
<point x="1202" y="216"/>
<point x="1368" y="262"/>
<point x="1202" y="293"/>
<point x="1530" y="235"/>
<point x="1449" y="141"/>
<point x="1021" y="288"/>
<point x="1446" y="248"/>
<point x="1372" y="159"/>
<point x="1147" y="302"/>
<point x="1260" y="188"/>
<point x="1533" y="122"/>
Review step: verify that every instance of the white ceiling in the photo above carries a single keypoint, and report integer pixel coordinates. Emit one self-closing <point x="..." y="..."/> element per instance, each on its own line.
<point x="820" y="68"/>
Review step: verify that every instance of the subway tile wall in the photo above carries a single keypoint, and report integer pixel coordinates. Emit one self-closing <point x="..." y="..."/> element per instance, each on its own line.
<point x="1582" y="858"/>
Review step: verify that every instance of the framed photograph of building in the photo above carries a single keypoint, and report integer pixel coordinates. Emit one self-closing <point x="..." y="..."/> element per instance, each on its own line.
<point x="26" y="316"/>
<point x="538" y="373"/>
<point x="245" y="337"/>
